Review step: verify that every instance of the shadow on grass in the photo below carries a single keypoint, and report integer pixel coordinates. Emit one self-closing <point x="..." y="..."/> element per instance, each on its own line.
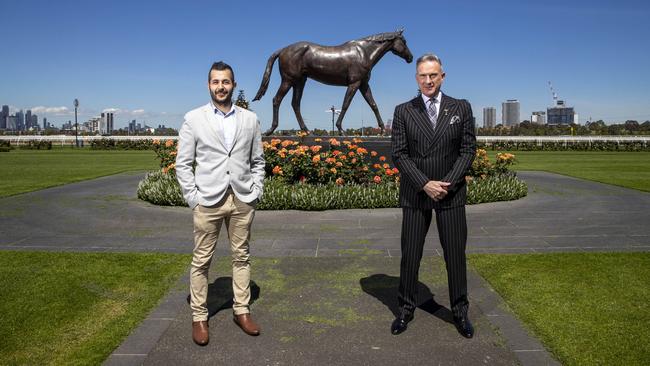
<point x="220" y="295"/>
<point x="384" y="288"/>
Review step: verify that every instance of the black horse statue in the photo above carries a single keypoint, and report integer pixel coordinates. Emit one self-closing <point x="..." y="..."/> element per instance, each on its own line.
<point x="348" y="65"/>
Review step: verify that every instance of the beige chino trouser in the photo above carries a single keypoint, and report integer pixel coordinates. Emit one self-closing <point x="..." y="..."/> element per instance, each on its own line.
<point x="208" y="220"/>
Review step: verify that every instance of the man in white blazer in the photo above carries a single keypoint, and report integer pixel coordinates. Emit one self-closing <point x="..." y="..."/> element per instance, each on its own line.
<point x="220" y="168"/>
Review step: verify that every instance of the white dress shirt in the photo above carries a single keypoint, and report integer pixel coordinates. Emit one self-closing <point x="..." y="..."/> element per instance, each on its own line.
<point x="227" y="123"/>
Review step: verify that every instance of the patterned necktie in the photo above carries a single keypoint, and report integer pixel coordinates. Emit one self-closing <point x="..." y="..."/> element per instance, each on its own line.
<point x="433" y="115"/>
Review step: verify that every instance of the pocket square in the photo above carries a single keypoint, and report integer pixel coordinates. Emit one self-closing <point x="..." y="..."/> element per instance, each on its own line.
<point x="454" y="119"/>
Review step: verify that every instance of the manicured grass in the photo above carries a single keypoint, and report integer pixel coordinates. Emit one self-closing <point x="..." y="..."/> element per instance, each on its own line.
<point x="626" y="169"/>
<point x="587" y="308"/>
<point x="30" y="170"/>
<point x="76" y="308"/>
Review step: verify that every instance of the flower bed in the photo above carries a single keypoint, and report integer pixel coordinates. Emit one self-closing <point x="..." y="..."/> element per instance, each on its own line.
<point x="342" y="176"/>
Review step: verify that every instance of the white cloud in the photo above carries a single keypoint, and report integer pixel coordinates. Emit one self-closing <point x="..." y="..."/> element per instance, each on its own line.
<point x="112" y="110"/>
<point x="137" y="112"/>
<point x="51" y="110"/>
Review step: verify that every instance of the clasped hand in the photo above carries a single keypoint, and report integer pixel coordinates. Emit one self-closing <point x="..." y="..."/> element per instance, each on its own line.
<point x="436" y="190"/>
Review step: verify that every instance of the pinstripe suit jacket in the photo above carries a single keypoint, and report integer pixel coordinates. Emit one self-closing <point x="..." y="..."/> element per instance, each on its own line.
<point x="422" y="154"/>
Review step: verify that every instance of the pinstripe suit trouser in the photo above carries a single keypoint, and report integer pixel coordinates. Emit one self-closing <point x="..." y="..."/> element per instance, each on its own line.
<point x="452" y="231"/>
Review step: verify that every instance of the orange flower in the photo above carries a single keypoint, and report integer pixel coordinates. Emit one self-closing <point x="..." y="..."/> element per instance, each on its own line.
<point x="330" y="160"/>
<point x="373" y="153"/>
<point x="169" y="143"/>
<point x="389" y="172"/>
<point x="351" y="153"/>
<point x="346" y="142"/>
<point x="336" y="152"/>
<point x="164" y="170"/>
<point x="340" y="181"/>
<point x="339" y="164"/>
<point x="376" y="179"/>
<point x="353" y="161"/>
<point x="334" y="142"/>
<point x="386" y="166"/>
<point x="382" y="158"/>
<point x="315" y="159"/>
<point x="318" y="139"/>
<point x="173" y="153"/>
<point x="156" y="142"/>
<point x="277" y="170"/>
<point x="342" y="157"/>
<point x="286" y="143"/>
<point x="333" y="170"/>
<point x="275" y="141"/>
<point x="395" y="171"/>
<point x="377" y="166"/>
<point x="356" y="140"/>
<point x="365" y="168"/>
<point x="362" y="151"/>
<point x="468" y="178"/>
<point x="315" y="149"/>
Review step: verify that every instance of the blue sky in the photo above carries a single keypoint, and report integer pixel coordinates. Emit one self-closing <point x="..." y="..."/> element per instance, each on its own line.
<point x="149" y="60"/>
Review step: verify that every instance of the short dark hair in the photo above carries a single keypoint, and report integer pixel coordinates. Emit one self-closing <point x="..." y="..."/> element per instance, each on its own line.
<point x="220" y="65"/>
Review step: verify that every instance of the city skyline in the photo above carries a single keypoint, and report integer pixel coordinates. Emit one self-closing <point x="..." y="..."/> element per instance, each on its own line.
<point x="151" y="64"/>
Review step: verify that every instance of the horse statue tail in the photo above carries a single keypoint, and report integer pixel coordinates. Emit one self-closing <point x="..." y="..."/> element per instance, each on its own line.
<point x="267" y="75"/>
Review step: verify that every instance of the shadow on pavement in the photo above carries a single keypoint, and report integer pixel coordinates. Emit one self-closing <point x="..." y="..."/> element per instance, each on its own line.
<point x="220" y="295"/>
<point x="384" y="288"/>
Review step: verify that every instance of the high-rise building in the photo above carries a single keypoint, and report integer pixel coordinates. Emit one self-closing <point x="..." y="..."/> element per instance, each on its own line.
<point x="4" y="115"/>
<point x="489" y="117"/>
<point x="560" y="114"/>
<point x="510" y="112"/>
<point x="538" y="117"/>
<point x="12" y="123"/>
<point x="20" y="121"/>
<point x="28" y="119"/>
<point x="106" y="124"/>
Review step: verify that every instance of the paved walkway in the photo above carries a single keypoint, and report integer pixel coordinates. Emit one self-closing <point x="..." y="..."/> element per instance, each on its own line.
<point x="560" y="214"/>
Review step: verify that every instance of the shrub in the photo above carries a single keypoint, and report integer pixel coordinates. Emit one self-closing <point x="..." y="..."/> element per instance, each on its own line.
<point x="111" y="144"/>
<point x="36" y="145"/>
<point x="309" y="178"/>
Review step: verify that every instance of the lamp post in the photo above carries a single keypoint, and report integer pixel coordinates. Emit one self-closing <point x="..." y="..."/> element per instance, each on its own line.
<point x="334" y="113"/>
<point x="76" y="126"/>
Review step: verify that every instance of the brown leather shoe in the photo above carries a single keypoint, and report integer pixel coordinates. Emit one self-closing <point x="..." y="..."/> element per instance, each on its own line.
<point x="246" y="323"/>
<point x="200" y="333"/>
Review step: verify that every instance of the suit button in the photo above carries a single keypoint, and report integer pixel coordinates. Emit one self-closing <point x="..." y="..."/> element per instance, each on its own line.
<point x="228" y="172"/>
<point x="228" y="154"/>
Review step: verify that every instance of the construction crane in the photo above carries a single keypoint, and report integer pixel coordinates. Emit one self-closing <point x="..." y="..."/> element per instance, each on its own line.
<point x="553" y="93"/>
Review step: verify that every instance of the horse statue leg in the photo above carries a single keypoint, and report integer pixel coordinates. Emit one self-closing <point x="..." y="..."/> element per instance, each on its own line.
<point x="367" y="95"/>
<point x="282" y="91"/>
<point x="298" y="87"/>
<point x="349" y="94"/>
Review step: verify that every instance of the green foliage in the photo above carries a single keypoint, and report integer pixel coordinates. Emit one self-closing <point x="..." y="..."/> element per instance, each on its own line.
<point x="5" y="146"/>
<point x="565" y="146"/>
<point x="163" y="189"/>
<point x="587" y="308"/>
<point x="35" y="145"/>
<point x="241" y="100"/>
<point x="111" y="144"/>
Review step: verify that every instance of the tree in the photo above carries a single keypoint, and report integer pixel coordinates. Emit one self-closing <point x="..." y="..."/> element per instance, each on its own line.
<point x="241" y="100"/>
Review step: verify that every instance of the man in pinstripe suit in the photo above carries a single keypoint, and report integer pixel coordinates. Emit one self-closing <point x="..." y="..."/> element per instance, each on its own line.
<point x="433" y="144"/>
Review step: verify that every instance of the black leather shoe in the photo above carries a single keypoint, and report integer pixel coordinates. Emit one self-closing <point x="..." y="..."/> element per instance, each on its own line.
<point x="464" y="326"/>
<point x="400" y="323"/>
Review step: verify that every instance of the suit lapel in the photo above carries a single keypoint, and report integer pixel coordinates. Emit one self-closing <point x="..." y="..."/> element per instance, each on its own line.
<point x="238" y="127"/>
<point x="419" y="114"/>
<point x="447" y="110"/>
<point x="212" y="124"/>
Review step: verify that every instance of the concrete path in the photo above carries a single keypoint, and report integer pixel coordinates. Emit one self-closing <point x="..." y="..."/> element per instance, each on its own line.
<point x="559" y="214"/>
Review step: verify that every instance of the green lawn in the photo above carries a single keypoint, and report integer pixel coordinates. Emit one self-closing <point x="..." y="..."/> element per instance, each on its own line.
<point x="626" y="169"/>
<point x="30" y="170"/>
<point x="587" y="308"/>
<point x="76" y="308"/>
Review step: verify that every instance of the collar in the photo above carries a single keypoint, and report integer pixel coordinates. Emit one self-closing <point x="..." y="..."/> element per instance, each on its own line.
<point x="437" y="97"/>
<point x="218" y="111"/>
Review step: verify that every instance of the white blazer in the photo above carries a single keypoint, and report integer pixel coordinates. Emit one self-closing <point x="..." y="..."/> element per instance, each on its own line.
<point x="217" y="168"/>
